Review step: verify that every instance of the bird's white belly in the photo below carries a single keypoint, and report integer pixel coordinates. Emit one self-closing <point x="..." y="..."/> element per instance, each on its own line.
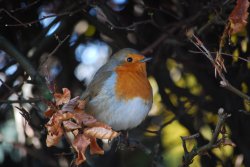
<point x="119" y="114"/>
<point x="122" y="115"/>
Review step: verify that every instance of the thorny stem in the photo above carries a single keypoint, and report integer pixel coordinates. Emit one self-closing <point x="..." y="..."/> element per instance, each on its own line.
<point x="213" y="143"/>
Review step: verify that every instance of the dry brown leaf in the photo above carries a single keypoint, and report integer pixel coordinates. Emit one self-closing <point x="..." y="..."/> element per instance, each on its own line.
<point x="94" y="147"/>
<point x="71" y="105"/>
<point x="100" y="133"/>
<point x="49" y="112"/>
<point x="81" y="104"/>
<point x="62" y="98"/>
<point x="70" y="126"/>
<point x="88" y="120"/>
<point x="80" y="145"/>
<point x="54" y="127"/>
<point x="238" y="17"/>
<point x="52" y="139"/>
<point x="85" y="119"/>
<point x="67" y="115"/>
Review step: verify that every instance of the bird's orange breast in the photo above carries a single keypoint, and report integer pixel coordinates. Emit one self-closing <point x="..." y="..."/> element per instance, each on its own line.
<point x="132" y="83"/>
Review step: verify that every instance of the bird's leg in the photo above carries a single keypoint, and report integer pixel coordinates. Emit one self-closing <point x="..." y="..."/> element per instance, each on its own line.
<point x="123" y="140"/>
<point x="125" y="143"/>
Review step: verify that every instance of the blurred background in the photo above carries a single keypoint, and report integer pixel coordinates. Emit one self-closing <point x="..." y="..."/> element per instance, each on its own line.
<point x="67" y="41"/>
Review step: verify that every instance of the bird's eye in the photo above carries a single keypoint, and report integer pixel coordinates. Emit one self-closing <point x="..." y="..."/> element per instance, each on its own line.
<point x="129" y="59"/>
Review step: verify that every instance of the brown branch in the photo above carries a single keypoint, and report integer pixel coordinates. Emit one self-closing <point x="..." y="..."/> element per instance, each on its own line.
<point x="219" y="67"/>
<point x="213" y="143"/>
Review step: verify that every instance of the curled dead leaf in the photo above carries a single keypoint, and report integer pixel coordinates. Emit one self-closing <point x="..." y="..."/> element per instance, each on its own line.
<point x="62" y="98"/>
<point x="71" y="105"/>
<point x="100" y="133"/>
<point x="70" y="126"/>
<point x="94" y="147"/>
<point x="80" y="145"/>
<point x="81" y="104"/>
<point x="52" y="139"/>
<point x="85" y="119"/>
<point x="54" y="127"/>
<point x="49" y="112"/>
<point x="68" y="116"/>
<point x="238" y="17"/>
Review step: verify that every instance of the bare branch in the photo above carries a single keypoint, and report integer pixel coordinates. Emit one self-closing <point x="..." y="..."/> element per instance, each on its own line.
<point x="26" y="7"/>
<point x="185" y="138"/>
<point x="23" y="61"/>
<point x="27" y="24"/>
<point x="14" y="18"/>
<point x="219" y="67"/>
<point x="20" y="101"/>
<point x="60" y="42"/>
<point x="213" y="143"/>
<point x="162" y="126"/>
<point x="226" y="54"/>
<point x="131" y="27"/>
<point x="152" y="46"/>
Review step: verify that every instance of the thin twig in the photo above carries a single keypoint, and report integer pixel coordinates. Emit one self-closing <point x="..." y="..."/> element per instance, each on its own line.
<point x="226" y="54"/>
<point x="20" y="101"/>
<point x="27" y="24"/>
<point x="23" y="61"/>
<point x="185" y="138"/>
<point x="9" y="88"/>
<point x="60" y="42"/>
<point x="26" y="7"/>
<point x="130" y="27"/>
<point x="194" y="136"/>
<point x="162" y="126"/>
<point x="13" y="17"/>
<point x="152" y="46"/>
<point x="219" y="67"/>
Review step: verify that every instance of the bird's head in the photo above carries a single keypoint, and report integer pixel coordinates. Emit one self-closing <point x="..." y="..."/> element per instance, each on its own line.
<point x="130" y="60"/>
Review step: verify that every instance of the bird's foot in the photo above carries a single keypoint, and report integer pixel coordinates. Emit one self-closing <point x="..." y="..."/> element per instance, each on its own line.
<point x="126" y="143"/>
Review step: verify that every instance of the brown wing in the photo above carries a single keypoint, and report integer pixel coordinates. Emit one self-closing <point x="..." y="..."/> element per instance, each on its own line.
<point x="96" y="84"/>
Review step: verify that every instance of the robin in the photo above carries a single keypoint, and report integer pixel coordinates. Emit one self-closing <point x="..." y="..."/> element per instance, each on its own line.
<point x="120" y="94"/>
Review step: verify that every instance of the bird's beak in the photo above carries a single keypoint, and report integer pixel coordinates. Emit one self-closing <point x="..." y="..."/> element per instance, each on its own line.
<point x="146" y="59"/>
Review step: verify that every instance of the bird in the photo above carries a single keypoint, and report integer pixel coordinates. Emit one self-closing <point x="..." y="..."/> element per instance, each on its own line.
<point x="120" y="94"/>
